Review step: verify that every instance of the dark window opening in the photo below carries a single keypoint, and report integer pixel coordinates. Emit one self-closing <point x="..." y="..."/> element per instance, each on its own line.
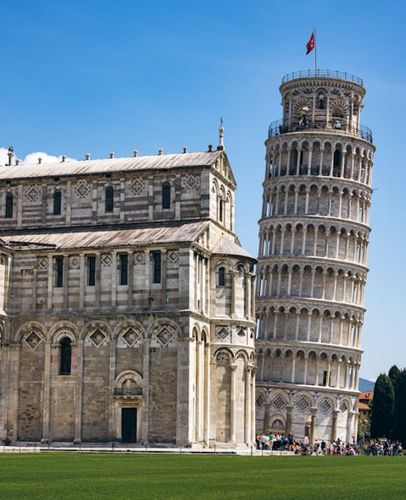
<point x="337" y="163"/>
<point x="57" y="202"/>
<point x="124" y="269"/>
<point x="59" y="271"/>
<point x="325" y="376"/>
<point x="65" y="356"/>
<point x="91" y="270"/>
<point x="9" y="205"/>
<point x="166" y="195"/>
<point x="109" y="202"/>
<point x="221" y="276"/>
<point x="293" y="162"/>
<point x="221" y="210"/>
<point x="156" y="266"/>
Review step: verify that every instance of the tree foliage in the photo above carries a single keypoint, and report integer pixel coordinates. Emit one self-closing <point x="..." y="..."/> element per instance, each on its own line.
<point x="399" y="421"/>
<point x="382" y="407"/>
<point x="394" y="374"/>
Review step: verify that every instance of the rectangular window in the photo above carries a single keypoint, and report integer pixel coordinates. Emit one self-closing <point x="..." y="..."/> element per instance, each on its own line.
<point x="59" y="271"/>
<point x="91" y="270"/>
<point x="57" y="203"/>
<point x="156" y="266"/>
<point x="124" y="269"/>
<point x="324" y="378"/>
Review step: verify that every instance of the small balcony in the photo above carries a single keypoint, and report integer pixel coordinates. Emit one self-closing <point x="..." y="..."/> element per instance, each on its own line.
<point x="335" y="125"/>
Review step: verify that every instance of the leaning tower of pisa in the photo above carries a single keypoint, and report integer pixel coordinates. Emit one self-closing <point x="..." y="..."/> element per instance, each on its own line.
<point x="312" y="267"/>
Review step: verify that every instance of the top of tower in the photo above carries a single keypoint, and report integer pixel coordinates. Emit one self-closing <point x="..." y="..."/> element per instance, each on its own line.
<point x="323" y="73"/>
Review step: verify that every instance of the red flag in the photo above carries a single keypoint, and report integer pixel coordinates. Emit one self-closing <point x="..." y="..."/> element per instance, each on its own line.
<point x="310" y="44"/>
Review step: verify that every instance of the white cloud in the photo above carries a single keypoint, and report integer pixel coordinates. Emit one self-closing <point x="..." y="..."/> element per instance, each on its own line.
<point x="31" y="158"/>
<point x="45" y="158"/>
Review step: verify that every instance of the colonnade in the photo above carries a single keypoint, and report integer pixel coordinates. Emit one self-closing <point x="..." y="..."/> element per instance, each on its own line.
<point x="317" y="240"/>
<point x="319" y="158"/>
<point x="308" y="367"/>
<point x="298" y="324"/>
<point x="312" y="199"/>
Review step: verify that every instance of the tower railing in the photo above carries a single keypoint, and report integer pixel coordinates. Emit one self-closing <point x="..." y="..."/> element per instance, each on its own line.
<point x="280" y="127"/>
<point x="323" y="73"/>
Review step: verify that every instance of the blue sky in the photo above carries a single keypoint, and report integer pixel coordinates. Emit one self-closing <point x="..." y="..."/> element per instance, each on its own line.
<point x="100" y="76"/>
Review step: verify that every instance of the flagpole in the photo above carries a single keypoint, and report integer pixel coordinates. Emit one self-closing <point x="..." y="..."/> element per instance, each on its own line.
<point x="315" y="51"/>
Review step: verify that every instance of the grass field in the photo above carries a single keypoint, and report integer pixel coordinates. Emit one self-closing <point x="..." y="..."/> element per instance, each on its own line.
<point x="69" y="475"/>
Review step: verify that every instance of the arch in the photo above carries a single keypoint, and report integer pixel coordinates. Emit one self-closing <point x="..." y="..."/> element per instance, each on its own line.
<point x="128" y="383"/>
<point x="63" y="329"/>
<point x="25" y="330"/>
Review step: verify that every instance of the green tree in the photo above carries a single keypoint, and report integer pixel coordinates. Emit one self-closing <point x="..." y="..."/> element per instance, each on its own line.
<point x="399" y="420"/>
<point x="394" y="374"/>
<point x="382" y="407"/>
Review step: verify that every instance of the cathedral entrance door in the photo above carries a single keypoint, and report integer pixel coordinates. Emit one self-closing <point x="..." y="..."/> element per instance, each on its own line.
<point x="128" y="425"/>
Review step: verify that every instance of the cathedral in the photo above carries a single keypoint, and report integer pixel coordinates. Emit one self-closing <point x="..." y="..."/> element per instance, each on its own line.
<point x="127" y="302"/>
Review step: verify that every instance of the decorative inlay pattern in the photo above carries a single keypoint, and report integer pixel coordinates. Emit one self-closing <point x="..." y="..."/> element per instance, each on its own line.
<point x="32" y="193"/>
<point x="191" y="181"/>
<point x="278" y="403"/>
<point x="139" y="258"/>
<point x="173" y="257"/>
<point x="260" y="401"/>
<point x="164" y="336"/>
<point x="302" y="404"/>
<point x="131" y="336"/>
<point x="241" y="332"/>
<point x="222" y="332"/>
<point x="74" y="262"/>
<point x="106" y="260"/>
<point x="137" y="187"/>
<point x="325" y="406"/>
<point x="97" y="337"/>
<point x="33" y="339"/>
<point x="82" y="189"/>
<point x="42" y="263"/>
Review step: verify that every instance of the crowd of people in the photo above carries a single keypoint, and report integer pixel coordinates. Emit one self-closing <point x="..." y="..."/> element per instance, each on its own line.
<point x="382" y="447"/>
<point x="282" y="442"/>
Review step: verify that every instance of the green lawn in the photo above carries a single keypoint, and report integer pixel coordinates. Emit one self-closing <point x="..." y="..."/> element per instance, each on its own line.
<point x="70" y="475"/>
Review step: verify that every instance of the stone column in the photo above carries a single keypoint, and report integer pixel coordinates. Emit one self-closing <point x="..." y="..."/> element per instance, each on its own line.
<point x="313" y="425"/>
<point x="130" y="279"/>
<point x="46" y="436"/>
<point x="334" y="425"/>
<point x="248" y="399"/>
<point x="112" y="376"/>
<point x="350" y="418"/>
<point x="253" y="421"/>
<point x="233" y="368"/>
<point x="113" y="279"/>
<point x="145" y="390"/>
<point x="206" y="430"/>
<point x="78" y="394"/>
<point x="289" y="411"/>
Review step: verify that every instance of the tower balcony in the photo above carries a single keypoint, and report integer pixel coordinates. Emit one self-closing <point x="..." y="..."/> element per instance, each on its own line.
<point x="322" y="73"/>
<point x="333" y="125"/>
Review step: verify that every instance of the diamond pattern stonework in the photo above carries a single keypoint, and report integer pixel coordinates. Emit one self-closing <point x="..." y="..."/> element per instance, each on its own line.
<point x="33" y="339"/>
<point x="164" y="337"/>
<point x="97" y="337"/>
<point x="131" y="336"/>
